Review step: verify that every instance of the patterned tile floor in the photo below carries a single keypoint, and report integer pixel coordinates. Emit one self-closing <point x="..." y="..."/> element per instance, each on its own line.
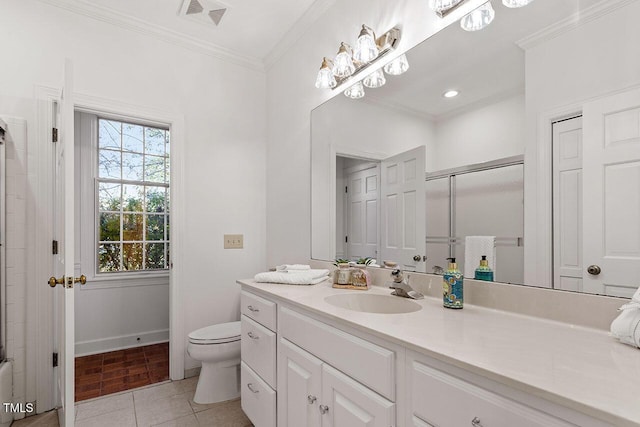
<point x="166" y="404"/>
<point x="107" y="373"/>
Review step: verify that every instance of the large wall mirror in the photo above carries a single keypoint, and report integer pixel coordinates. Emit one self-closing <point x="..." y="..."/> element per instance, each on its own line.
<point x="540" y="151"/>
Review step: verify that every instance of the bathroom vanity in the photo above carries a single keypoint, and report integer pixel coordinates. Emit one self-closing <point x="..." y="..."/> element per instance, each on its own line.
<point x="313" y="357"/>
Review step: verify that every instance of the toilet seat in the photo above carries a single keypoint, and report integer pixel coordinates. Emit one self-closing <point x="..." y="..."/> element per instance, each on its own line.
<point x="216" y="334"/>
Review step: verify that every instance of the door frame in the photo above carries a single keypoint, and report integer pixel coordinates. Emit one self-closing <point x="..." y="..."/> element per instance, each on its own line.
<point x="43" y="233"/>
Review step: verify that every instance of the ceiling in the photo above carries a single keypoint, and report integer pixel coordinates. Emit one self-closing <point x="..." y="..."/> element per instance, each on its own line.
<point x="249" y="29"/>
<point x="484" y="66"/>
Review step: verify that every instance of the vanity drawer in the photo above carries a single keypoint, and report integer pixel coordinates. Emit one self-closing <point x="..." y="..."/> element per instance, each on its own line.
<point x="258" y="349"/>
<point x="258" y="400"/>
<point x="259" y="309"/>
<point x="439" y="399"/>
<point x="368" y="363"/>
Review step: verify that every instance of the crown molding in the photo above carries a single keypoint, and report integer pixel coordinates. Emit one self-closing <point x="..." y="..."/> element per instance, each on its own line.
<point x="101" y="13"/>
<point x="298" y="29"/>
<point x="590" y="14"/>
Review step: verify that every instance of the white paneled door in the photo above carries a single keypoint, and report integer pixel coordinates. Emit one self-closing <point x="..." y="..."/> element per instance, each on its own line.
<point x="403" y="225"/>
<point x="63" y="278"/>
<point x="362" y="213"/>
<point x="611" y="196"/>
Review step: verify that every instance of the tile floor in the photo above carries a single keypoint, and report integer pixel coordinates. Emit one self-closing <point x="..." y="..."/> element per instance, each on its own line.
<point x="106" y="373"/>
<point x="166" y="404"/>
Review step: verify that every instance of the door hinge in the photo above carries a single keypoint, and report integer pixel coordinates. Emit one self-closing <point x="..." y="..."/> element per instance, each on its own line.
<point x="54" y="247"/>
<point x="55" y="360"/>
<point x="346" y="189"/>
<point x="346" y="239"/>
<point x="54" y="135"/>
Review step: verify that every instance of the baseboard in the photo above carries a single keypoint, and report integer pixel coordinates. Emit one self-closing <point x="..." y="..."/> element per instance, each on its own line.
<point x="86" y="348"/>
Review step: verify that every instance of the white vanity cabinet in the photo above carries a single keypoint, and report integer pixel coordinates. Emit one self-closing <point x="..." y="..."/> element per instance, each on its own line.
<point x="258" y="354"/>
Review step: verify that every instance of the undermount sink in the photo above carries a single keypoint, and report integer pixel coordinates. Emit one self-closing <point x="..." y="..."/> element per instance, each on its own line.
<point x="367" y="303"/>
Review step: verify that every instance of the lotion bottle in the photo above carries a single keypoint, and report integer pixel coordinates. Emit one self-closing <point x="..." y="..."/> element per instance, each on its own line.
<point x="452" y="286"/>
<point x="484" y="272"/>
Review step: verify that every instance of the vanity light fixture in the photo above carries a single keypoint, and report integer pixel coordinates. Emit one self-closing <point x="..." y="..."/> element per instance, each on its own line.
<point x="375" y="79"/>
<point x="398" y="66"/>
<point x="355" y="92"/>
<point x="366" y="48"/>
<point x="348" y="63"/>
<point x="516" y="3"/>
<point x="451" y="93"/>
<point x="443" y="7"/>
<point x="479" y="18"/>
<point x="343" y="65"/>
<point x="325" y="79"/>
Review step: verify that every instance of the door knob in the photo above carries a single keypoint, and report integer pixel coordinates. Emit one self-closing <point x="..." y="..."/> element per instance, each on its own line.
<point x="594" y="270"/>
<point x="82" y="279"/>
<point x="53" y="281"/>
<point x="61" y="281"/>
<point x="417" y="258"/>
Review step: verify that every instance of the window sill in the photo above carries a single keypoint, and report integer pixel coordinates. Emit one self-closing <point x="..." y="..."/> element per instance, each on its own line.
<point x="126" y="281"/>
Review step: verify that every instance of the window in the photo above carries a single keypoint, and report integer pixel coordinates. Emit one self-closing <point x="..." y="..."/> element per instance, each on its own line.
<point x="132" y="197"/>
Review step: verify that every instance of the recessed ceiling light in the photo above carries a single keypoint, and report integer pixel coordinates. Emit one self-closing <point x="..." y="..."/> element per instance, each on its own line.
<point x="451" y="93"/>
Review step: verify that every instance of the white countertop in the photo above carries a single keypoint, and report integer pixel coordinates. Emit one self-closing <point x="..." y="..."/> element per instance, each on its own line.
<point x="580" y="368"/>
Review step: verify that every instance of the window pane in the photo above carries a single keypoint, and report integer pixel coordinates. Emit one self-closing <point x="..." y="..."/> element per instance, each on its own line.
<point x="167" y="170"/>
<point x="166" y="221"/>
<point x="155" y="227"/>
<point x="132" y="166"/>
<point x="109" y="134"/>
<point x="168" y="256"/>
<point x="168" y="146"/>
<point x="155" y="255"/>
<point x="154" y="168"/>
<point x="109" y="196"/>
<point x="109" y="164"/>
<point x="132" y="138"/>
<point x="109" y="227"/>
<point x="154" y="141"/>
<point x="155" y="199"/>
<point x="132" y="227"/>
<point x="109" y="257"/>
<point x="132" y="198"/>
<point x="132" y="256"/>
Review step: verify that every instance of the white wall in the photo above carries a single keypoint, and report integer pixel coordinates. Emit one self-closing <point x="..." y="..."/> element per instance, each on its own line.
<point x="291" y="96"/>
<point x="223" y="106"/>
<point x="592" y="60"/>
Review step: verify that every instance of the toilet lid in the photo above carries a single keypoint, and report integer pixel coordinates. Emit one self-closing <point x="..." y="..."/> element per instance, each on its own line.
<point x="216" y="334"/>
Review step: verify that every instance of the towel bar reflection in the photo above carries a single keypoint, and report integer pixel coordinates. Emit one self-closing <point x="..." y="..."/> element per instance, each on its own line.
<point x="500" y="241"/>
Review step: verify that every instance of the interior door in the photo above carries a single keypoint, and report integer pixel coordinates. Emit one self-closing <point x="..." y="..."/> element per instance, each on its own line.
<point x="611" y="201"/>
<point x="64" y="275"/>
<point x="362" y="213"/>
<point x="403" y="225"/>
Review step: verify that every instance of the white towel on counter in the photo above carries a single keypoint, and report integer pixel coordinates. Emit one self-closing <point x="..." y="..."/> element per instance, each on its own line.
<point x="306" y="277"/>
<point x="626" y="327"/>
<point x="293" y="267"/>
<point x="474" y="248"/>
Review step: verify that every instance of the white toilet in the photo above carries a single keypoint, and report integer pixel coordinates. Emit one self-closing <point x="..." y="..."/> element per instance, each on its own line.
<point x="218" y="348"/>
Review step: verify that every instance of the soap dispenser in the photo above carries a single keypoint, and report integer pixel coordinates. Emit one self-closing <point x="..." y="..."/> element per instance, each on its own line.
<point x="452" y="282"/>
<point x="484" y="272"/>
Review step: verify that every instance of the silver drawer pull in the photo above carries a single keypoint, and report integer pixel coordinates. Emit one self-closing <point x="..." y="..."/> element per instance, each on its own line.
<point x="253" y="336"/>
<point x="253" y="390"/>
<point x="323" y="409"/>
<point x="311" y="399"/>
<point x="475" y="422"/>
<point x="253" y="309"/>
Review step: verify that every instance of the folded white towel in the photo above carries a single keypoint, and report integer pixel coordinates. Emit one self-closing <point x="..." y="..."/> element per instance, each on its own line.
<point x="474" y="248"/>
<point x="303" y="278"/>
<point x="287" y="267"/>
<point x="626" y="327"/>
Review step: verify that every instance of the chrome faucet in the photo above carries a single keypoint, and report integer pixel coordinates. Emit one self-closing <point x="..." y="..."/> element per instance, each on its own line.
<point x="402" y="287"/>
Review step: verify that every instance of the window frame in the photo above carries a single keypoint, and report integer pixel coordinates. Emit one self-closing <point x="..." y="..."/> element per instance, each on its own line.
<point x="87" y="208"/>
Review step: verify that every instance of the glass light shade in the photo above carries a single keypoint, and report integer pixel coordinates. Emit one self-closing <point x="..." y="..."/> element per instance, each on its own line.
<point x="375" y="79"/>
<point x="325" y="79"/>
<point x="366" y="48"/>
<point x="516" y="3"/>
<point x="442" y="5"/>
<point x="355" y="92"/>
<point x="397" y="66"/>
<point x="343" y="64"/>
<point x="479" y="18"/>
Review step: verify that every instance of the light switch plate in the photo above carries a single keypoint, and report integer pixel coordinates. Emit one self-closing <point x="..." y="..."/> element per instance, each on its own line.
<point x="233" y="241"/>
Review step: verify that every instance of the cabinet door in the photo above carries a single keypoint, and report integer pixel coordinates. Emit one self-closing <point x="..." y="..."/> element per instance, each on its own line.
<point x="347" y="403"/>
<point x="299" y="385"/>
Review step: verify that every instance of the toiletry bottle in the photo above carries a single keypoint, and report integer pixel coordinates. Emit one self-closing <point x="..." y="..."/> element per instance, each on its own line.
<point x="452" y="295"/>
<point x="484" y="272"/>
